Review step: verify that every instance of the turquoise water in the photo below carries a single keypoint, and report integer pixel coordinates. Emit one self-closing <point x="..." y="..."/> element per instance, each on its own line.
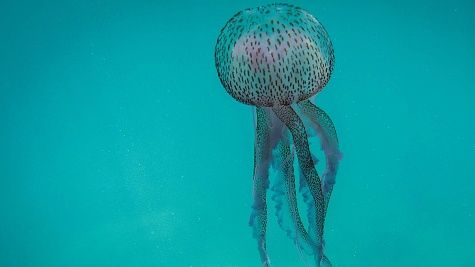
<point x="119" y="146"/>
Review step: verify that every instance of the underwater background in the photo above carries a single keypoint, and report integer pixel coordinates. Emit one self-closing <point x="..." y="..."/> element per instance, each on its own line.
<point x="120" y="147"/>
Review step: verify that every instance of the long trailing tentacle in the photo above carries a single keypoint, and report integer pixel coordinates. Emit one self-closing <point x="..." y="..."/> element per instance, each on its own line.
<point x="284" y="193"/>
<point x="311" y="215"/>
<point x="262" y="157"/>
<point x="325" y="129"/>
<point x="290" y="118"/>
<point x="311" y="210"/>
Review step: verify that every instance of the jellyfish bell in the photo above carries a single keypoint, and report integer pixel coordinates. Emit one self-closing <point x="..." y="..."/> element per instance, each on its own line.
<point x="273" y="55"/>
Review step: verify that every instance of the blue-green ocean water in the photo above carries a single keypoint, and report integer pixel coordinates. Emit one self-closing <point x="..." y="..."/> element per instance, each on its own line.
<point x="119" y="146"/>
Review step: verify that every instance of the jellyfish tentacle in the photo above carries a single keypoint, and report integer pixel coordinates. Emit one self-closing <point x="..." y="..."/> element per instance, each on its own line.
<point x="284" y="196"/>
<point x="262" y="156"/>
<point x="325" y="129"/>
<point x="290" y="118"/>
<point x="311" y="210"/>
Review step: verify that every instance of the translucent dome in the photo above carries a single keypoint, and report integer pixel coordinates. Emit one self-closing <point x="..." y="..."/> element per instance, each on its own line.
<point x="273" y="55"/>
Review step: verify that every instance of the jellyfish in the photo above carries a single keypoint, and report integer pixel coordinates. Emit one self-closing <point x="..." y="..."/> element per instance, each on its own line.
<point x="276" y="58"/>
